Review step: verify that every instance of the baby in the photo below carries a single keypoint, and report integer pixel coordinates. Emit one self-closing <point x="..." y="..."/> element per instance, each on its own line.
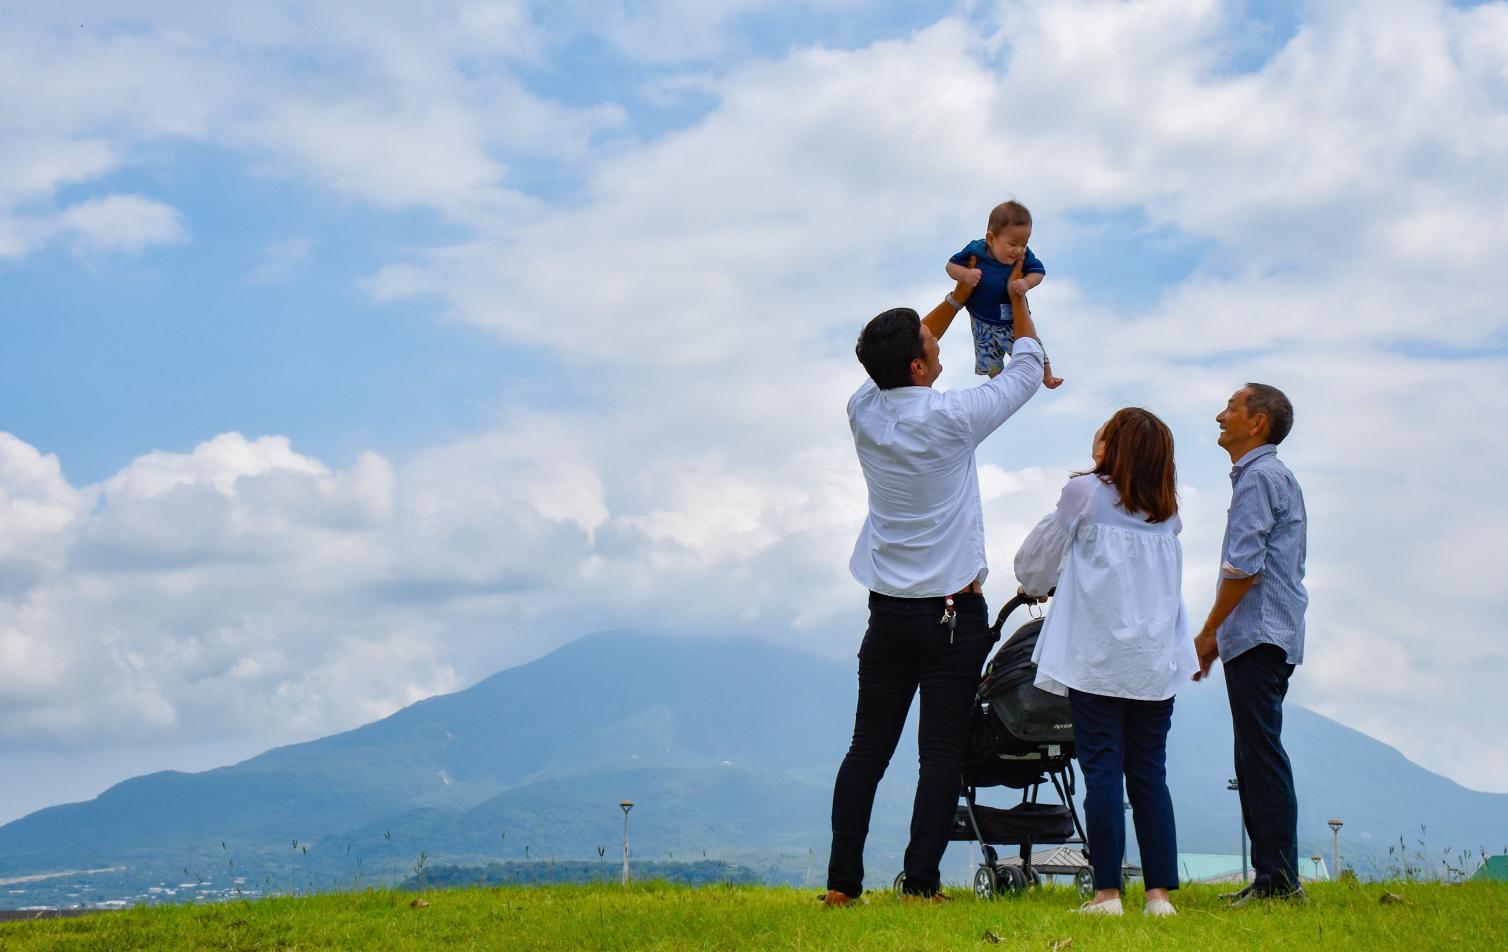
<point x="985" y="264"/>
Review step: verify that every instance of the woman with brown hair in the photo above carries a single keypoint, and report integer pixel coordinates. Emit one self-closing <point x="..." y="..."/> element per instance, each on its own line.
<point x="1116" y="641"/>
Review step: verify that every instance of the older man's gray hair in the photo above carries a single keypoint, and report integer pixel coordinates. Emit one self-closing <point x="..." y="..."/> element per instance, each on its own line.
<point x="1262" y="398"/>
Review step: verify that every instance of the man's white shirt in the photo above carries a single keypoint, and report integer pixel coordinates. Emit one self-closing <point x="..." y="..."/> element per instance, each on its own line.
<point x="924" y="535"/>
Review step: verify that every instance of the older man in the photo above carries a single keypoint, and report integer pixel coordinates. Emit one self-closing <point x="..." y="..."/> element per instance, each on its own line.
<point x="921" y="555"/>
<point x="1257" y="628"/>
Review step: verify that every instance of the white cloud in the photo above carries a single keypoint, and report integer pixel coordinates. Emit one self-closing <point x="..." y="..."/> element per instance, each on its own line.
<point x="211" y="589"/>
<point x="244" y="583"/>
<point x="39" y="513"/>
<point x="398" y="107"/>
<point x="426" y="157"/>
<point x="30" y="172"/>
<point x="128" y="223"/>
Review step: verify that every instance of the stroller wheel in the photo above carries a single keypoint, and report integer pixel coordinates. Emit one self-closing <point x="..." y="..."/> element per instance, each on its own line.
<point x="986" y="883"/>
<point x="1084" y="880"/>
<point x="900" y="883"/>
<point x="1012" y="879"/>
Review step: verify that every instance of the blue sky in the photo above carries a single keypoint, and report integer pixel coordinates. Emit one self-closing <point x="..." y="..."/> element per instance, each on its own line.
<point x="346" y="344"/>
<point x="113" y="354"/>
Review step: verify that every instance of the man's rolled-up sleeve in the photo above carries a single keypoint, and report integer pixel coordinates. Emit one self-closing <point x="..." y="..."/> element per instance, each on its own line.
<point x="1250" y="520"/>
<point x="993" y="402"/>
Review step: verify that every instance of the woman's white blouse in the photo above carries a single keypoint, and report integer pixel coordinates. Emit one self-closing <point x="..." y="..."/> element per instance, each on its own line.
<point x="1117" y="625"/>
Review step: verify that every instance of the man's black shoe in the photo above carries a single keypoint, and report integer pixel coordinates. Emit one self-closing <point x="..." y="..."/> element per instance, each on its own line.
<point x="1242" y="894"/>
<point x="1296" y="896"/>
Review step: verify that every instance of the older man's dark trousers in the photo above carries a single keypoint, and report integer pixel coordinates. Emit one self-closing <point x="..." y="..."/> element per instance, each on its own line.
<point x="908" y="647"/>
<point x="1257" y="681"/>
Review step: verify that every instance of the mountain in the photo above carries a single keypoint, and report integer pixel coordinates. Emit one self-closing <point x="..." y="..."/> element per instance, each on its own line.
<point x="728" y="749"/>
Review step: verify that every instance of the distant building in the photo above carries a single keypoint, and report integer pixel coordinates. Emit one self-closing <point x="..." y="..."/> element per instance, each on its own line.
<point x="1493" y="868"/>
<point x="1226" y="868"/>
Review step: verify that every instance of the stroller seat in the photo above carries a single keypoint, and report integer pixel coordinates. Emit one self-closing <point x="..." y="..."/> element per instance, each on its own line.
<point x="1035" y="822"/>
<point x="1021" y="737"/>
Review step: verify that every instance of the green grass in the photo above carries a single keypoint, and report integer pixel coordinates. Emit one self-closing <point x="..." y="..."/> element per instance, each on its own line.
<point x="656" y="916"/>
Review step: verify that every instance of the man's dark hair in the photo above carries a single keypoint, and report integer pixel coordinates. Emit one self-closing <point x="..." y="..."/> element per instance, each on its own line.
<point x="1262" y="398"/>
<point x="1010" y="214"/>
<point x="888" y="344"/>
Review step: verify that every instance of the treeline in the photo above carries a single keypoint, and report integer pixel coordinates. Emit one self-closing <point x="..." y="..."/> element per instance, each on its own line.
<point x="542" y="872"/>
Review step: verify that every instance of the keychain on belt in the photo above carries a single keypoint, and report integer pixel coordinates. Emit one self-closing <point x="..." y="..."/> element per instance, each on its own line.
<point x="949" y="618"/>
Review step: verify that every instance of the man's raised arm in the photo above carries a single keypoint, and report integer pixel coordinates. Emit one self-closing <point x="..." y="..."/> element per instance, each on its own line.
<point x="993" y="402"/>
<point x="1020" y="313"/>
<point x="938" y="319"/>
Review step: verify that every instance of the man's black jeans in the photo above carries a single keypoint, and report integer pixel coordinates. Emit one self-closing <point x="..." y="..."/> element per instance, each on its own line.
<point x="906" y="647"/>
<point x="1257" y="681"/>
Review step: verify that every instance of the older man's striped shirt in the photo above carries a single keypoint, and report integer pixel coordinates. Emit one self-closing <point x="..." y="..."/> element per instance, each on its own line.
<point x="1266" y="533"/>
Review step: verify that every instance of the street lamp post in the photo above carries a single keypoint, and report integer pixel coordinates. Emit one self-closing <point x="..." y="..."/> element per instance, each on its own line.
<point x="1234" y="784"/>
<point x="1335" y="826"/>
<point x="626" y="805"/>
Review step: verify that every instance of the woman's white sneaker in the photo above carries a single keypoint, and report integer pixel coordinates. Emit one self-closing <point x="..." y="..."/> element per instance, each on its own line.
<point x="1159" y="907"/>
<point x="1110" y="907"/>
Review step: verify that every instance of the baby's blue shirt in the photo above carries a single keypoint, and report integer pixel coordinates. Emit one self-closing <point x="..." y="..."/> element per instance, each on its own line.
<point x="990" y="303"/>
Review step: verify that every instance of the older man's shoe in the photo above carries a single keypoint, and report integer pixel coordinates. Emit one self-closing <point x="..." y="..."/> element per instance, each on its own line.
<point x="835" y="899"/>
<point x="1242" y="893"/>
<point x="1296" y="896"/>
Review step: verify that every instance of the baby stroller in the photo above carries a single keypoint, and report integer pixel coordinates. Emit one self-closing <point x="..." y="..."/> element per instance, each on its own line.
<point x="1022" y="738"/>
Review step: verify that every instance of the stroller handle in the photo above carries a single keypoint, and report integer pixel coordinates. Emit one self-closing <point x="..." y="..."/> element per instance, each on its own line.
<point x="1015" y="603"/>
